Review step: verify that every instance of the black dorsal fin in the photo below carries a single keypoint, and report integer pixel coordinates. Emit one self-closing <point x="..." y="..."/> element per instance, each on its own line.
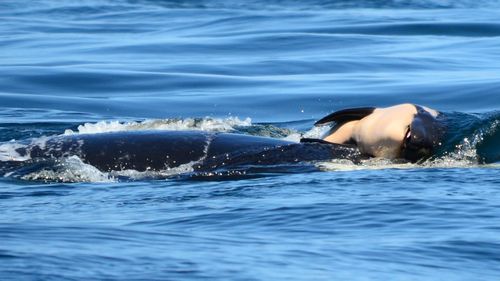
<point x="346" y="115"/>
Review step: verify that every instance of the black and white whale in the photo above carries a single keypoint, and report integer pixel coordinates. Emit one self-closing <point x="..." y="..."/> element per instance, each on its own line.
<point x="405" y="131"/>
<point x="158" y="150"/>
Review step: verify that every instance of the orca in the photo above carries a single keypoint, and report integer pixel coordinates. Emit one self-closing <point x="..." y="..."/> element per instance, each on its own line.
<point x="156" y="150"/>
<point x="404" y="131"/>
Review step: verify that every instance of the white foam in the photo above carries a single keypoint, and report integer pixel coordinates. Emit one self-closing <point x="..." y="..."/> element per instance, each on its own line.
<point x="380" y="164"/>
<point x="314" y="132"/>
<point x="368" y="164"/>
<point x="41" y="142"/>
<point x="205" y="124"/>
<point x="137" y="175"/>
<point x="71" y="169"/>
<point x="8" y="151"/>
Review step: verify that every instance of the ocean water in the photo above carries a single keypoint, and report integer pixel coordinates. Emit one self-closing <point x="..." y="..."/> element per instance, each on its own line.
<point x="266" y="68"/>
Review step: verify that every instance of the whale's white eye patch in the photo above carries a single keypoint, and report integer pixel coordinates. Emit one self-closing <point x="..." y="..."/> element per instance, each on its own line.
<point x="432" y="112"/>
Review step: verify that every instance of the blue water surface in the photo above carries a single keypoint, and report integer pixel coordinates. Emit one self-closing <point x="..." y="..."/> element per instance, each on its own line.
<point x="268" y="68"/>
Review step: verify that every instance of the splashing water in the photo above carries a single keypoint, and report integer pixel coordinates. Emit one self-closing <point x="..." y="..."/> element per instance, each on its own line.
<point x="203" y="124"/>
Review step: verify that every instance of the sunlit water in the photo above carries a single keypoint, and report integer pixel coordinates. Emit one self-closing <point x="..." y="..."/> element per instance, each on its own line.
<point x="266" y="68"/>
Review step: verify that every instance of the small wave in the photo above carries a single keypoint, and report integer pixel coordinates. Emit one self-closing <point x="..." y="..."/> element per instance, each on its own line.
<point x="322" y="4"/>
<point x="203" y="124"/>
<point x="230" y="124"/>
<point x="464" y="29"/>
<point x="472" y="139"/>
<point x="127" y="6"/>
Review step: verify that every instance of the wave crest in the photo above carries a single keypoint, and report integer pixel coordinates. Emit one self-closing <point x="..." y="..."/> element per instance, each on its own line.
<point x="203" y="124"/>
